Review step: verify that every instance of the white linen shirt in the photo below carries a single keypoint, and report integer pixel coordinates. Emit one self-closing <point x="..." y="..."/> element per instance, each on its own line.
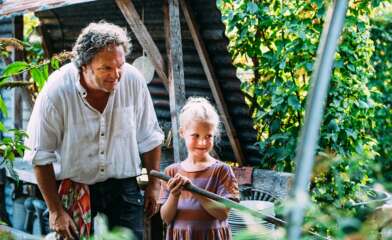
<point x="83" y="144"/>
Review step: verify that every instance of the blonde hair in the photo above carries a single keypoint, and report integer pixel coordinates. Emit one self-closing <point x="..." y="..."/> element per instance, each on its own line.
<point x="200" y="109"/>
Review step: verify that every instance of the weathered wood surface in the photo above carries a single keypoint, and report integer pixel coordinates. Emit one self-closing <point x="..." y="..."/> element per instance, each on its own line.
<point x="18" y="56"/>
<point x="277" y="183"/>
<point x="172" y="26"/>
<point x="19" y="6"/>
<point x="144" y="38"/>
<point x="213" y="81"/>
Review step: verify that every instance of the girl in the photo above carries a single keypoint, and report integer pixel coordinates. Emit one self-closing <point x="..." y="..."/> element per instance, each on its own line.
<point x="190" y="216"/>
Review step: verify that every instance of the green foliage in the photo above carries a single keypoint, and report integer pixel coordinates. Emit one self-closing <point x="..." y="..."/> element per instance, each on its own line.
<point x="381" y="88"/>
<point x="338" y="186"/>
<point x="4" y="235"/>
<point x="10" y="147"/>
<point x="345" y="178"/>
<point x="278" y="42"/>
<point x="102" y="231"/>
<point x="34" y="69"/>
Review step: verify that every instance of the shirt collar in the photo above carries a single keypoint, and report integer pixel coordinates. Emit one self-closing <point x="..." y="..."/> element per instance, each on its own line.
<point x="82" y="91"/>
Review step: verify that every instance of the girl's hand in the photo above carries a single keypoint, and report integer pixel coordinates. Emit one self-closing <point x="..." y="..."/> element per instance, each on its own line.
<point x="176" y="184"/>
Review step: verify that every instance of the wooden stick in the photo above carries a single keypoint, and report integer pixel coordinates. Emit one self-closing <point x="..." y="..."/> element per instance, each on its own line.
<point x="229" y="203"/>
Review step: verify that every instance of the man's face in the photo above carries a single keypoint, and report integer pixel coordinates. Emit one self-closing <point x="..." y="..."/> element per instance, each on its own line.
<point x="104" y="71"/>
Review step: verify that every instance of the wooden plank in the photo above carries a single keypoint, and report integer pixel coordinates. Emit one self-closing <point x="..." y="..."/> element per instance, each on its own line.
<point x="46" y="44"/>
<point x="278" y="184"/>
<point x="213" y="82"/>
<point x="19" y="6"/>
<point x="177" y="97"/>
<point x="17" y="23"/>
<point x="144" y="38"/>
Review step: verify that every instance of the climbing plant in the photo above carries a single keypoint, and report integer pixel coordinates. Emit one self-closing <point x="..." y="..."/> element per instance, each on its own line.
<point x="381" y="88"/>
<point x="277" y="41"/>
<point x="31" y="73"/>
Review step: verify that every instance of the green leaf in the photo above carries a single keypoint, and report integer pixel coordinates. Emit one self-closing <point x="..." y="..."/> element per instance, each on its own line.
<point x="2" y="128"/>
<point x="338" y="64"/>
<point x="363" y="104"/>
<point x="252" y="7"/>
<point x="282" y="64"/>
<point x="54" y="63"/>
<point x="39" y="75"/>
<point x="279" y="136"/>
<point x="293" y="102"/>
<point x="3" y="107"/>
<point x="276" y="100"/>
<point x="309" y="66"/>
<point x="275" y="125"/>
<point x="15" y="68"/>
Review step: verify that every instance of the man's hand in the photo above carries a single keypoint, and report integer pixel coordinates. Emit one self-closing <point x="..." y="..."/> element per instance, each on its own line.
<point x="151" y="161"/>
<point x="63" y="224"/>
<point x="151" y="195"/>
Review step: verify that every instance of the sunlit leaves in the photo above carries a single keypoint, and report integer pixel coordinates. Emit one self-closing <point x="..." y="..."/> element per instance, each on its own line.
<point x="14" y="68"/>
<point x="278" y="41"/>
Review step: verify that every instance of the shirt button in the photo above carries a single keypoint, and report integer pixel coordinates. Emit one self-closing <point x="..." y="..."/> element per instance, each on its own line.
<point x="102" y="152"/>
<point x="102" y="134"/>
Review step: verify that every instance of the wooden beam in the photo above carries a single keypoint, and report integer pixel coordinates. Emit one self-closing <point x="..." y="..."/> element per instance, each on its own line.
<point x="144" y="38"/>
<point x="172" y="27"/>
<point x="213" y="82"/>
<point x="46" y="44"/>
<point x="13" y="7"/>
<point x="17" y="24"/>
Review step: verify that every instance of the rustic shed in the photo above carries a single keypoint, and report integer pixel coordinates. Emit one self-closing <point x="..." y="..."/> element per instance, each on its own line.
<point x="62" y="21"/>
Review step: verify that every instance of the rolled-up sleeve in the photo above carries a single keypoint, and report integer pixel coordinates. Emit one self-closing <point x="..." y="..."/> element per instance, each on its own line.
<point x="44" y="132"/>
<point x="149" y="134"/>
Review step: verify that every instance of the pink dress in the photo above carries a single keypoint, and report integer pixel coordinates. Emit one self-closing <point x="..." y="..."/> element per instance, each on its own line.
<point x="192" y="222"/>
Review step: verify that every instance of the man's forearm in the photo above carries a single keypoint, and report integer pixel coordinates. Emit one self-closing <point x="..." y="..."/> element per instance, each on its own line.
<point x="47" y="184"/>
<point x="152" y="160"/>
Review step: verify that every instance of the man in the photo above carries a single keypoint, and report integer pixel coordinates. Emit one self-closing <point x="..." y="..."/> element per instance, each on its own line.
<point x="90" y="123"/>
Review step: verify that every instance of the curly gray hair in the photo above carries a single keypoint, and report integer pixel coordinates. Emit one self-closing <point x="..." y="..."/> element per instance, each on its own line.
<point x="97" y="36"/>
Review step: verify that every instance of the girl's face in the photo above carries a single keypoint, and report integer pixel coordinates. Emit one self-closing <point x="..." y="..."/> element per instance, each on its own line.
<point x="199" y="139"/>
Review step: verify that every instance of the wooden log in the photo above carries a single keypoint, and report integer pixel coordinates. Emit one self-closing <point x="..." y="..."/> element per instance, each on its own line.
<point x="172" y="26"/>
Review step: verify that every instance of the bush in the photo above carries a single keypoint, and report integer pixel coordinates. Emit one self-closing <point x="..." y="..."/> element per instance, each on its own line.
<point x="381" y="88"/>
<point x="277" y="43"/>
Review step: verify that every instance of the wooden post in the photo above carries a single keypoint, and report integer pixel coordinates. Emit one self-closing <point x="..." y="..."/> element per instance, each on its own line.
<point x="46" y="44"/>
<point x="17" y="23"/>
<point x="172" y="26"/>
<point x="213" y="82"/>
<point x="144" y="38"/>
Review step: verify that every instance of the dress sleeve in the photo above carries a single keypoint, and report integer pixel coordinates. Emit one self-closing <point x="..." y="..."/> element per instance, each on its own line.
<point x="228" y="185"/>
<point x="44" y="132"/>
